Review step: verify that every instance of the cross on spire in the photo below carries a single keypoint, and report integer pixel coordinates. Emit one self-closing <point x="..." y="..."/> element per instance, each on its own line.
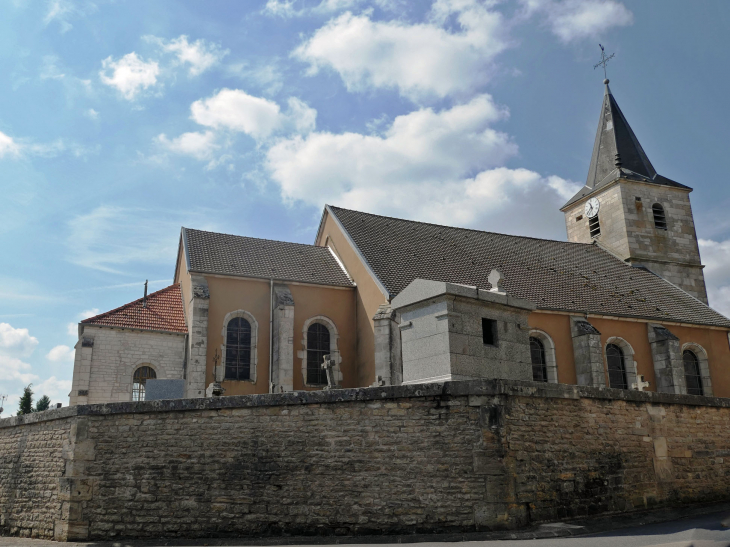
<point x="604" y="61"/>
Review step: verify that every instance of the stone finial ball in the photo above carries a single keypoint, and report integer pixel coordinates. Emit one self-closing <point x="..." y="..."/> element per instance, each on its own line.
<point x="605" y="81"/>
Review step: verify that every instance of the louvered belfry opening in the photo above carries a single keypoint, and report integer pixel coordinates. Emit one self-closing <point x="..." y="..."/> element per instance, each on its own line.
<point x="594" y="226"/>
<point x="660" y="219"/>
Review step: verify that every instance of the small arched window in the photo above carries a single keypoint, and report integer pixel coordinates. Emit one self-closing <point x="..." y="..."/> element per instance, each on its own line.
<point x="660" y="219"/>
<point x="238" y="349"/>
<point x="539" y="363"/>
<point x="616" y="367"/>
<point x="318" y="345"/>
<point x="141" y="375"/>
<point x="692" y="374"/>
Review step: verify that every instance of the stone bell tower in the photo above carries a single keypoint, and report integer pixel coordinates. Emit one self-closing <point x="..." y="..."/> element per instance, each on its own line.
<point x="632" y="211"/>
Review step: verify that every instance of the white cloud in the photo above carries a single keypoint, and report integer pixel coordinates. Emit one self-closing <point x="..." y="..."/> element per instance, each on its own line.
<point x="280" y="8"/>
<point x="716" y="257"/>
<point x="92" y="114"/>
<point x="236" y="110"/>
<point x="572" y="20"/>
<point x="59" y="10"/>
<point x="200" y="55"/>
<point x="129" y="75"/>
<point x="109" y="238"/>
<point x="199" y="145"/>
<point x="8" y="147"/>
<point x="288" y="8"/>
<point x="73" y="328"/>
<point x="56" y="389"/>
<point x="61" y="353"/>
<point x="421" y="61"/>
<point x="16" y="342"/>
<point x="13" y="369"/>
<point x="452" y="160"/>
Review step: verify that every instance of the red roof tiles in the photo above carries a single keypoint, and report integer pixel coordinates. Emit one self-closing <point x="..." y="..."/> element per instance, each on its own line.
<point x="164" y="312"/>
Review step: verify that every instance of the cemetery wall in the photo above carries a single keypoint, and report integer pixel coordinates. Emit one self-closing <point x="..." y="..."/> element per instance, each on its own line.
<point x="455" y="457"/>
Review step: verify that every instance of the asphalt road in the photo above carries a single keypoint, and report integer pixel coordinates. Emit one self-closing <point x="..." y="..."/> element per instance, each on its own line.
<point x="701" y="531"/>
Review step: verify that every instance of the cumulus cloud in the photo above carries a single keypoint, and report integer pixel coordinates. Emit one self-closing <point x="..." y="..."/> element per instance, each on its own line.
<point x="572" y="20"/>
<point x="8" y="146"/>
<point x="61" y="354"/>
<point x="17" y="342"/>
<point x="288" y="8"/>
<point x="421" y="61"/>
<point x="716" y="257"/>
<point x="199" y="145"/>
<point x="451" y="159"/>
<point x="200" y="55"/>
<point x="57" y="390"/>
<point x="236" y="110"/>
<point x="129" y="75"/>
<point x="91" y="114"/>
<point x="73" y="328"/>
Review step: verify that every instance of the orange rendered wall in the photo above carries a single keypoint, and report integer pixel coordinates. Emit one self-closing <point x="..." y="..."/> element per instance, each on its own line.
<point x="229" y="294"/>
<point x="368" y="298"/>
<point x="714" y="341"/>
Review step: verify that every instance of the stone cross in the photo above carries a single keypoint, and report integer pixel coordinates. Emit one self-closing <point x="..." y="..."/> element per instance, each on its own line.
<point x="495" y="279"/>
<point x="641" y="384"/>
<point x="329" y="366"/>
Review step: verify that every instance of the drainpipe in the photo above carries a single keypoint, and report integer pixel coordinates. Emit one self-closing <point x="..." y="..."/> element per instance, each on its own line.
<point x="271" y="334"/>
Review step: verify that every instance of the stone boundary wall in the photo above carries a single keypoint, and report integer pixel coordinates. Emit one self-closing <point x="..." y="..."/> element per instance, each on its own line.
<point x="454" y="457"/>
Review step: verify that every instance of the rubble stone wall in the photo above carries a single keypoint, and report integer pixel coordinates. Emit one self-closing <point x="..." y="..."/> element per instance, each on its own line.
<point x="461" y="456"/>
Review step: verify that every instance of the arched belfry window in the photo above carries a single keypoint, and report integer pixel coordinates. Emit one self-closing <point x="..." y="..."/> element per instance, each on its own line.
<point x="660" y="219"/>
<point x="539" y="362"/>
<point x="616" y="367"/>
<point x="318" y="345"/>
<point x="238" y="349"/>
<point x="692" y="373"/>
<point x="594" y="226"/>
<point x="141" y="375"/>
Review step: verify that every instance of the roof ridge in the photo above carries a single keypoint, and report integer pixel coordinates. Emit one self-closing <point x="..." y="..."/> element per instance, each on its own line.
<point x="464" y="229"/>
<point x="256" y="238"/>
<point x="128" y="304"/>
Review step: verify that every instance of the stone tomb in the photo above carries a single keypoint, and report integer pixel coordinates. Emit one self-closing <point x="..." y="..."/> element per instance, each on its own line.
<point x="458" y="332"/>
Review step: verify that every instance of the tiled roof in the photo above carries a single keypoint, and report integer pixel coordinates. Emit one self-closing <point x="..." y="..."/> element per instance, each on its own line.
<point x="164" y="312"/>
<point x="555" y="275"/>
<point x="210" y="252"/>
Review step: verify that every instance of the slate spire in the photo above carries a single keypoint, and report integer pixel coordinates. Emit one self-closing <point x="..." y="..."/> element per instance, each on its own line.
<point x="617" y="153"/>
<point x="616" y="146"/>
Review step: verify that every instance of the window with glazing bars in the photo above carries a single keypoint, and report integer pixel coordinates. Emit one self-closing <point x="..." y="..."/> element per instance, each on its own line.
<point x="238" y="349"/>
<point x="692" y="375"/>
<point x="616" y="367"/>
<point x="594" y="226"/>
<point x="539" y="365"/>
<point x="141" y="375"/>
<point x="318" y="345"/>
<point x="660" y="219"/>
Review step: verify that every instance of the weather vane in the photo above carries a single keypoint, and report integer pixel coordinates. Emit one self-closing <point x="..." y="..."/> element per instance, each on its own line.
<point x="603" y="63"/>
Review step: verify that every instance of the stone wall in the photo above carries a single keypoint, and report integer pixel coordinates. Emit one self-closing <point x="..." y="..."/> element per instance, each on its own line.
<point x="106" y="359"/>
<point x="461" y="456"/>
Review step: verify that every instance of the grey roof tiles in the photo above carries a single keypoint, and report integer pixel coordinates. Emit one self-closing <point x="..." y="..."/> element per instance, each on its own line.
<point x="210" y="252"/>
<point x="555" y="275"/>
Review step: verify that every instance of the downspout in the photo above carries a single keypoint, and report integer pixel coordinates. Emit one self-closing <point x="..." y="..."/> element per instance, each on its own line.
<point x="271" y="334"/>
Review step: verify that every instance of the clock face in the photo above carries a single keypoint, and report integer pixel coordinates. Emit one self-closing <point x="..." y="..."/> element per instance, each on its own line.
<point x="592" y="206"/>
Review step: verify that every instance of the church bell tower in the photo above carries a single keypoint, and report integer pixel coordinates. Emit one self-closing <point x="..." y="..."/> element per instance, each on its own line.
<point x="632" y="211"/>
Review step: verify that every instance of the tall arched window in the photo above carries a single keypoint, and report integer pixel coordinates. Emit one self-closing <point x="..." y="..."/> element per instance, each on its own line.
<point x="238" y="349"/>
<point x="318" y="345"/>
<point x="616" y="367"/>
<point x="539" y="363"/>
<point x="692" y="374"/>
<point x="660" y="219"/>
<point x="141" y="375"/>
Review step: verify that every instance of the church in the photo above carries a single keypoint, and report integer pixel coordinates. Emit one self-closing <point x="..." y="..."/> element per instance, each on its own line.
<point x="384" y="301"/>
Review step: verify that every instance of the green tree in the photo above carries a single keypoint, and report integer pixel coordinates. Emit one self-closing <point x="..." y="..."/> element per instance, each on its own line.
<point x="42" y="404"/>
<point x="26" y="401"/>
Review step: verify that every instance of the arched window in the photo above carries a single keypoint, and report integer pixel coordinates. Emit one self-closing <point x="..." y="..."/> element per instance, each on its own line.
<point x="141" y="375"/>
<point x="539" y="363"/>
<point x="318" y="345"/>
<point x="660" y="219"/>
<point x="692" y="374"/>
<point x="238" y="349"/>
<point x="616" y="367"/>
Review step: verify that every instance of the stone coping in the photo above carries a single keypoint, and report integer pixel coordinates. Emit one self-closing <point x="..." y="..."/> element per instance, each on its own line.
<point x="476" y="388"/>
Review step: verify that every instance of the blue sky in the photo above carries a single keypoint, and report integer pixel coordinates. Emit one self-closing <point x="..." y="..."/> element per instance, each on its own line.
<point x="121" y="121"/>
